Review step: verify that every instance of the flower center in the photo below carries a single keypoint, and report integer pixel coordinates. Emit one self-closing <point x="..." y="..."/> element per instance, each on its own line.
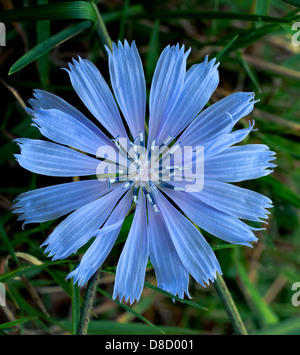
<point x="146" y="169"/>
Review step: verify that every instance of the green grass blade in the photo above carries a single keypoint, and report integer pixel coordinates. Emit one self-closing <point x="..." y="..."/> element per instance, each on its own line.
<point x="249" y="71"/>
<point x="282" y="144"/>
<point x="262" y="7"/>
<point x="16" y="322"/>
<point x="210" y="15"/>
<point x="106" y="327"/>
<point x="59" y="278"/>
<point x="20" y="271"/>
<point x="65" y="10"/>
<point x="43" y="63"/>
<point x="130" y="310"/>
<point x="251" y="36"/>
<point x="286" y="327"/>
<point x="153" y="51"/>
<point x="226" y="48"/>
<point x="223" y="246"/>
<point x="7" y="243"/>
<point x="168" y="294"/>
<point x="117" y="15"/>
<point x="49" y="44"/>
<point x="263" y="312"/>
<point x="282" y="191"/>
<point x="293" y="2"/>
<point x="123" y="20"/>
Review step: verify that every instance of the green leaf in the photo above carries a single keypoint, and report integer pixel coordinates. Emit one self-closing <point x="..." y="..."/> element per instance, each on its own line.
<point x="282" y="191"/>
<point x="49" y="44"/>
<point x="60" y="279"/>
<point x="153" y="51"/>
<point x="224" y="246"/>
<point x="65" y="10"/>
<point x="105" y="327"/>
<point x="262" y="7"/>
<point x="130" y="310"/>
<point x="286" y="327"/>
<point x="43" y="33"/>
<point x="209" y="15"/>
<point x="168" y="294"/>
<point x="281" y="144"/>
<point x="262" y="311"/>
<point x="7" y="244"/>
<point x="250" y="36"/>
<point x="20" y="271"/>
<point x="293" y="2"/>
<point x="248" y="70"/>
<point x="116" y="15"/>
<point x="16" y="322"/>
<point x="123" y="20"/>
<point x="226" y="48"/>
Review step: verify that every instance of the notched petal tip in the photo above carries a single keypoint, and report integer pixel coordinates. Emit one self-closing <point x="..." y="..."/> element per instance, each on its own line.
<point x="29" y="111"/>
<point x="19" y="141"/>
<point x="109" y="52"/>
<point x="17" y="156"/>
<point x="122" y="298"/>
<point x="187" y="53"/>
<point x="70" y="275"/>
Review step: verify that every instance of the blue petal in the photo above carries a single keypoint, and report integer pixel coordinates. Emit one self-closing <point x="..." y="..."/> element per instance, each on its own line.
<point x="102" y="245"/>
<point x="234" y="200"/>
<point x="193" y="250"/>
<point x="51" y="202"/>
<point x="96" y="95"/>
<point x="227" y="140"/>
<point x="166" y="86"/>
<point x="128" y="82"/>
<point x="46" y="101"/>
<point x="131" y="268"/>
<point x="80" y="226"/>
<point x="171" y="275"/>
<point x="215" y="222"/>
<point x="63" y="128"/>
<point x="200" y="82"/>
<point x="239" y="163"/>
<point x="218" y="119"/>
<point x="52" y="159"/>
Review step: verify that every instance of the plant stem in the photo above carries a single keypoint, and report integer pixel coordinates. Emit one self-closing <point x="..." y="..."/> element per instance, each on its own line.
<point x="230" y="307"/>
<point x="88" y="304"/>
<point x="101" y="30"/>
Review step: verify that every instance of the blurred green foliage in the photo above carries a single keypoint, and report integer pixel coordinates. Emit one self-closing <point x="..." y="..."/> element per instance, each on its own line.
<point x="253" y="41"/>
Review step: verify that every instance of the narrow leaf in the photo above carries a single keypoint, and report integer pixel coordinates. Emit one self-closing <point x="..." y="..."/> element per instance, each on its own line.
<point x="209" y="15"/>
<point x="262" y="311"/>
<point x="48" y="44"/>
<point x="65" y="10"/>
<point x="16" y="322"/>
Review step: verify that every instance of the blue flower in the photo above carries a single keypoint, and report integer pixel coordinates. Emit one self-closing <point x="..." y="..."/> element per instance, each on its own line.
<point x="165" y="199"/>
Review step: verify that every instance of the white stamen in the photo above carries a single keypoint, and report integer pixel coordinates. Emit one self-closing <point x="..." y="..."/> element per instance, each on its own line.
<point x="173" y="149"/>
<point x="168" y="140"/>
<point x="153" y="144"/>
<point x="180" y="188"/>
<point x="156" y="210"/>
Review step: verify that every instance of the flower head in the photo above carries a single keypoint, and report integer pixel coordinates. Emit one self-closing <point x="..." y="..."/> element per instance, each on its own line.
<point x="149" y="170"/>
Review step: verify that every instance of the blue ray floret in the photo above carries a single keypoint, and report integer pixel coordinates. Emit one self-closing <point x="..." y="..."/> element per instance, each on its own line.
<point x="149" y="181"/>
